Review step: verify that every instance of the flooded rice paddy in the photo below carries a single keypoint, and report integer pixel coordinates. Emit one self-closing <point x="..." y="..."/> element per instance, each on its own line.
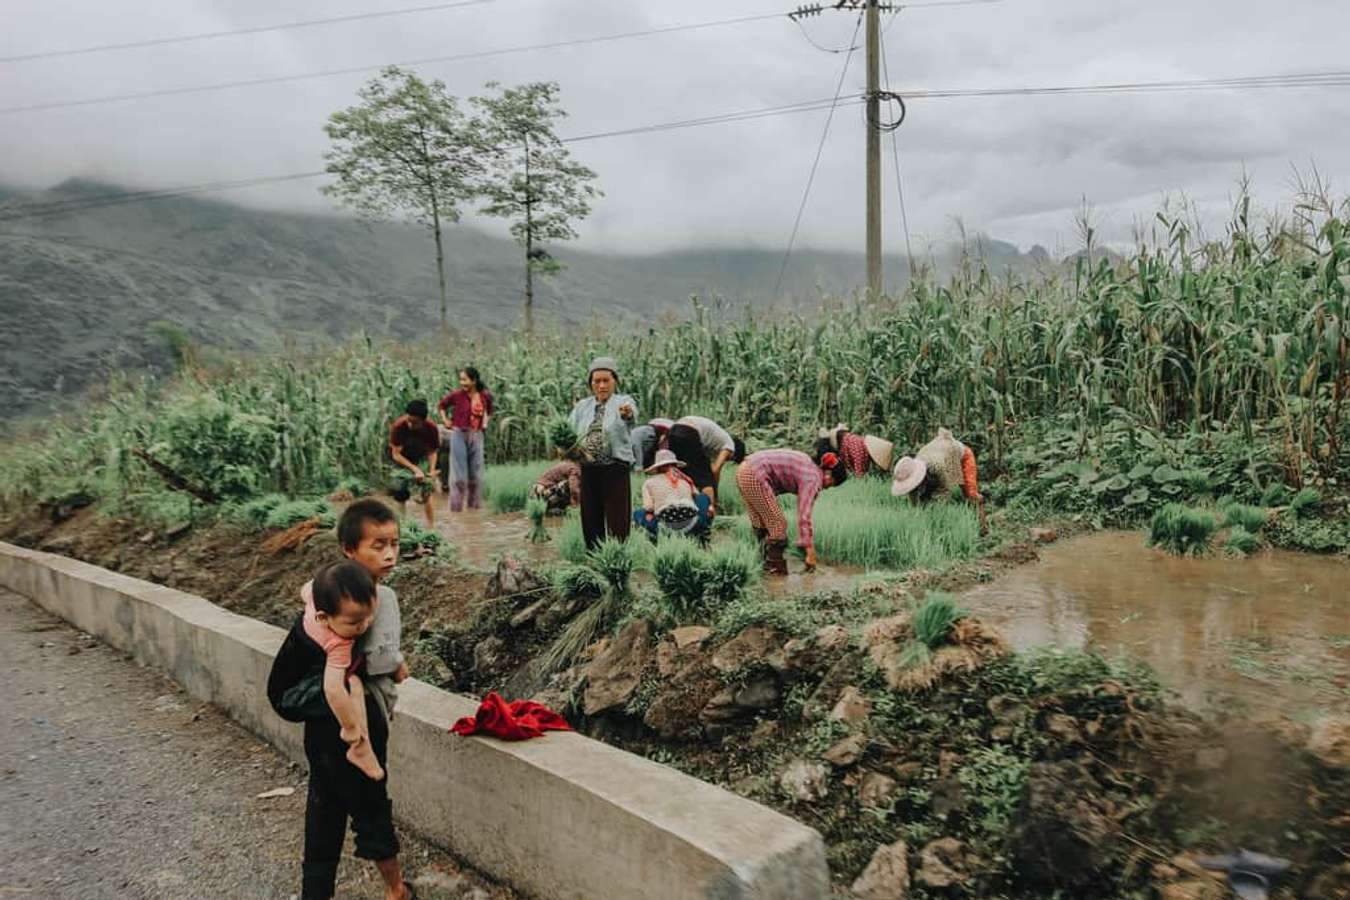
<point x="1270" y="633"/>
<point x="1265" y="634"/>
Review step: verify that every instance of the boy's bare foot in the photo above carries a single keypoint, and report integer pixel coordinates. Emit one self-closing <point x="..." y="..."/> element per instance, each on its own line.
<point x="363" y="757"/>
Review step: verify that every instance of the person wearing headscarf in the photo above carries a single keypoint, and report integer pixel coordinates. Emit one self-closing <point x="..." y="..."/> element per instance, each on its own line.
<point x="937" y="470"/>
<point x="670" y="501"/>
<point x="766" y="474"/>
<point x="603" y="423"/>
<point x="861" y="454"/>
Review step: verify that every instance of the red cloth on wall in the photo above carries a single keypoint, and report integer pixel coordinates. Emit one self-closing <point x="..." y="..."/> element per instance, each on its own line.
<point x="515" y="721"/>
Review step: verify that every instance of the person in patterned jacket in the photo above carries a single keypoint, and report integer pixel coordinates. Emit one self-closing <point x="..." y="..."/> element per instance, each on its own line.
<point x="862" y="454"/>
<point x="762" y="476"/>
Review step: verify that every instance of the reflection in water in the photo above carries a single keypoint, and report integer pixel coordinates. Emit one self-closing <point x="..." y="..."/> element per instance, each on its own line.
<point x="1272" y="631"/>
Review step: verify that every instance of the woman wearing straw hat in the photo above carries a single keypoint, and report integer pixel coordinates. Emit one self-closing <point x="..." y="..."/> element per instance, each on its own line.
<point x="603" y="423"/>
<point x="935" y="472"/>
<point x="862" y="454"/>
<point x="768" y="473"/>
<point x="671" y="501"/>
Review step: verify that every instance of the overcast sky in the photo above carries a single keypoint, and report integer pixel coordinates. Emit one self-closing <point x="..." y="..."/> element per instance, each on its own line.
<point x="1016" y="168"/>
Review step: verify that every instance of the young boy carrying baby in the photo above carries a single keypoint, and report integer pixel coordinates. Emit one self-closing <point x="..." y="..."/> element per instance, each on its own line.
<point x="349" y="629"/>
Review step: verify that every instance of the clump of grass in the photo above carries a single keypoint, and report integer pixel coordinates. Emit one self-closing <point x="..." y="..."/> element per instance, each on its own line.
<point x="507" y="487"/>
<point x="580" y="633"/>
<point x="615" y="561"/>
<point x="1304" y="500"/>
<point x="1181" y="530"/>
<point x="412" y="537"/>
<point x="1249" y="518"/>
<point x="537" y="510"/>
<point x="933" y="620"/>
<point x="293" y="512"/>
<point x="574" y="581"/>
<point x="733" y="568"/>
<point x="681" y="571"/>
<point x="571" y="542"/>
<point x="255" y="511"/>
<point x="1242" y="542"/>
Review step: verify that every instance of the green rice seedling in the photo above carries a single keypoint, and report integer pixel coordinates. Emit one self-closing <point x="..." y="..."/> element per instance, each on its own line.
<point x="1242" y="542"/>
<point x="350" y="485"/>
<point x="413" y="537"/>
<point x="615" y="561"/>
<point x="507" y="487"/>
<point x="681" y="569"/>
<point x="255" y="511"/>
<point x="584" y="629"/>
<point x="293" y="512"/>
<point x="571" y="541"/>
<point x="537" y="510"/>
<point x="1275" y="494"/>
<point x="573" y="581"/>
<point x="1249" y="518"/>
<point x="562" y="435"/>
<point x="1304" y="500"/>
<point x="1181" y="530"/>
<point x="733" y="568"/>
<point x="934" y="618"/>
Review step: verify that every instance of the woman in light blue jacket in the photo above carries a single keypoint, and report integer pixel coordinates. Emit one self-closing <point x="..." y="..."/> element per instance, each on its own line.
<point x="604" y="424"/>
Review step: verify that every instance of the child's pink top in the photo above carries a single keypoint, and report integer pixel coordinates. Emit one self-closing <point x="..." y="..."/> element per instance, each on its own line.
<point x="338" y="649"/>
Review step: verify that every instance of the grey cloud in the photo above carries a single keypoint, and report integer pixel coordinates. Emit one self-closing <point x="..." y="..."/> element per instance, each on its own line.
<point x="1017" y="168"/>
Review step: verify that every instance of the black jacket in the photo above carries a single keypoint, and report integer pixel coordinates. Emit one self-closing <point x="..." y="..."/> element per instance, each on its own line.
<point x="295" y="686"/>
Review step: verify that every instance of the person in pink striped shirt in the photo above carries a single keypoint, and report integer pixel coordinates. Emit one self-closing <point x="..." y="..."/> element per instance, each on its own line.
<point x="762" y="476"/>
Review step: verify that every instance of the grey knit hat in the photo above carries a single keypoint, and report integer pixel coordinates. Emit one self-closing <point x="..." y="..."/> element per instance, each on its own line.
<point x="603" y="362"/>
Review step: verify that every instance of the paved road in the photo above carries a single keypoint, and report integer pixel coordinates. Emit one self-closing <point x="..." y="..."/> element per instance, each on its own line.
<point x="114" y="783"/>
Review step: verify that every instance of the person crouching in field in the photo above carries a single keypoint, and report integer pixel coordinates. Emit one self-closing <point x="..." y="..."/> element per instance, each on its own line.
<point x="646" y="440"/>
<point x="671" y="502"/>
<point x="935" y="472"/>
<point x="413" y="441"/>
<point x="766" y="474"/>
<point x="603" y="423"/>
<point x="559" y="487"/>
<point x="346" y="736"/>
<point x="861" y="454"/>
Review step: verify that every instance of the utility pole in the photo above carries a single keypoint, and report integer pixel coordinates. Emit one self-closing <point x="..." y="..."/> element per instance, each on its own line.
<point x="873" y="151"/>
<point x="872" y="10"/>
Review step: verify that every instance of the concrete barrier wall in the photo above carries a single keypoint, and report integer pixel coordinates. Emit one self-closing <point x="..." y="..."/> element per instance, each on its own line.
<point x="557" y="817"/>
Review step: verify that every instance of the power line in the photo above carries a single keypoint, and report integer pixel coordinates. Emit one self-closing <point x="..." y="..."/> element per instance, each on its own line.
<point x="353" y="70"/>
<point x="256" y="29"/>
<point x="895" y="153"/>
<point x="1251" y="82"/>
<point x="79" y="204"/>
<point x="815" y="163"/>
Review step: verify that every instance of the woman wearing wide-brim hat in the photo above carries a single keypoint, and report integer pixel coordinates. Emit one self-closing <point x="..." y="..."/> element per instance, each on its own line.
<point x="935" y="472"/>
<point x="671" y="500"/>
<point x="603" y="423"/>
<point x="862" y="454"/>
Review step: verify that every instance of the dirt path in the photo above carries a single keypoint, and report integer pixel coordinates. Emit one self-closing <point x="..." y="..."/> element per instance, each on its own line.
<point x="114" y="783"/>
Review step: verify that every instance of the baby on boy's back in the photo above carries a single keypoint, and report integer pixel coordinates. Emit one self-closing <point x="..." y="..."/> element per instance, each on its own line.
<point x="368" y="534"/>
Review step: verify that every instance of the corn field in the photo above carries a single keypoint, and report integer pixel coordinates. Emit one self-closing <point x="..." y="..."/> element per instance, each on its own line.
<point x="1247" y="332"/>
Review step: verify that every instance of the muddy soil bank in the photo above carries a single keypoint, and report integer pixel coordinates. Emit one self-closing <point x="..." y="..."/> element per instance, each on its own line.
<point x="975" y="774"/>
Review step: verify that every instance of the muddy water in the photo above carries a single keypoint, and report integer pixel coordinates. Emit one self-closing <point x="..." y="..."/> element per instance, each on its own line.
<point x="1270" y="633"/>
<point x="482" y="537"/>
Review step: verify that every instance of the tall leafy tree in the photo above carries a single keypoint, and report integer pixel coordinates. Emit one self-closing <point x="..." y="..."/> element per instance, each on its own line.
<point x="531" y="179"/>
<point x="405" y="149"/>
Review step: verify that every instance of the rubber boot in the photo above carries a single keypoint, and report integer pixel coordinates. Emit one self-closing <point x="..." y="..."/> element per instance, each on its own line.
<point x="774" y="563"/>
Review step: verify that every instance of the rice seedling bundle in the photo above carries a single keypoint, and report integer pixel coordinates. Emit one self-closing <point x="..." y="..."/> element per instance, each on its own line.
<point x="1240" y="515"/>
<point x="577" y="581"/>
<point x="537" y="510"/>
<point x="934" y="618"/>
<point x="1181" y="530"/>
<point x="1242" y="542"/>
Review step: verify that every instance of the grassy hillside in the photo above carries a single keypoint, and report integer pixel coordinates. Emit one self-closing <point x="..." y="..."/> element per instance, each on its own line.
<point x="114" y="288"/>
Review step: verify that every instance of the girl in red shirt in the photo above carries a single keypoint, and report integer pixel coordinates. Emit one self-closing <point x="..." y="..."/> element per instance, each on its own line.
<point x="470" y="407"/>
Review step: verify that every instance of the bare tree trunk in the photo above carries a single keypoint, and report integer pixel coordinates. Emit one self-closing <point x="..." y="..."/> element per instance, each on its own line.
<point x="529" y="245"/>
<point x="440" y="262"/>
